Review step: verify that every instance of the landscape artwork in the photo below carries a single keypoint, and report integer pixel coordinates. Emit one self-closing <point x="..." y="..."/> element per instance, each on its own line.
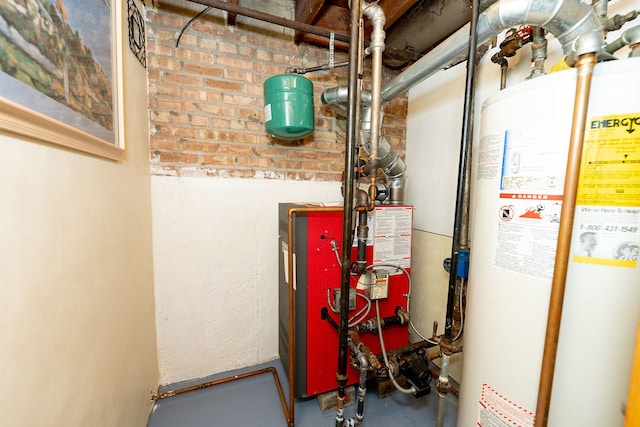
<point x="56" y="59"/>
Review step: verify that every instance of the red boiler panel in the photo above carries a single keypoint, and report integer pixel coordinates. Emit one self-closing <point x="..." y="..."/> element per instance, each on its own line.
<point x="318" y="275"/>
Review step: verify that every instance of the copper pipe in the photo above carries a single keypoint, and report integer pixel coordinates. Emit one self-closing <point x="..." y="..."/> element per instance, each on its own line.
<point x="227" y="380"/>
<point x="585" y="65"/>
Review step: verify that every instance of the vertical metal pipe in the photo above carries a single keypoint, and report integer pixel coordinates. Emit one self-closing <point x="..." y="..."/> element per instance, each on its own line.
<point x="460" y="226"/>
<point x="376" y="14"/>
<point x="503" y="74"/>
<point x="347" y="217"/>
<point x="460" y="229"/>
<point x="443" y="380"/>
<point x="584" y="66"/>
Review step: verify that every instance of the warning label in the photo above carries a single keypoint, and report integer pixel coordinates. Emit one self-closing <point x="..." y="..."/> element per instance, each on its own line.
<point x="610" y="169"/>
<point x="528" y="212"/>
<point x="527" y="232"/>
<point x="607" y="219"/>
<point x="495" y="410"/>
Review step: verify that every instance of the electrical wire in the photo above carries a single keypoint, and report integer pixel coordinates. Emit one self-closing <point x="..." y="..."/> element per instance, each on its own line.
<point x="412" y="389"/>
<point x="408" y="295"/>
<point x="334" y="248"/>
<point x="202" y="12"/>
<point x="363" y="312"/>
<point x="462" y="282"/>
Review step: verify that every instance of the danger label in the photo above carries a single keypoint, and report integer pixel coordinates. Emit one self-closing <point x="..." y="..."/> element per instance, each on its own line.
<point x="496" y="410"/>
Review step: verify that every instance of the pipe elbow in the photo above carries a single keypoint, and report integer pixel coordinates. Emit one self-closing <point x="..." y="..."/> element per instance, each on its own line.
<point x="631" y="37"/>
<point x="574" y="23"/>
<point x="335" y="96"/>
<point x="376" y="15"/>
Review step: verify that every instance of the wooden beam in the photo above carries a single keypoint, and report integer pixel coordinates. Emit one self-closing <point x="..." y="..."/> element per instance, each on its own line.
<point x="307" y="11"/>
<point x="324" y="42"/>
<point x="232" y="17"/>
<point x="394" y="9"/>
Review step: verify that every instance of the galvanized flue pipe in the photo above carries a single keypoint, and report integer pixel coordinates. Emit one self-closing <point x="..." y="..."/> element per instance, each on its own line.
<point x="567" y="20"/>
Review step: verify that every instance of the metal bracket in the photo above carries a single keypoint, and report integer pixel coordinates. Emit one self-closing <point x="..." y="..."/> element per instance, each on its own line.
<point x="332" y="40"/>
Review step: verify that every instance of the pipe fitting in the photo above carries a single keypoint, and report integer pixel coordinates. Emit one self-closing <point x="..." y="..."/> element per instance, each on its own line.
<point x="403" y="315"/>
<point x="567" y="20"/>
<point x="335" y="98"/>
<point x="631" y="37"/>
<point x="590" y="42"/>
<point x="375" y="13"/>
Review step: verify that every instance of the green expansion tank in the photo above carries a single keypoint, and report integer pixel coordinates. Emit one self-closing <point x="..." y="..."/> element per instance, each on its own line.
<point x="288" y="109"/>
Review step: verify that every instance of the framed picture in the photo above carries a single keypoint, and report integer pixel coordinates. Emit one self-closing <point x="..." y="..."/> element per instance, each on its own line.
<point x="60" y="73"/>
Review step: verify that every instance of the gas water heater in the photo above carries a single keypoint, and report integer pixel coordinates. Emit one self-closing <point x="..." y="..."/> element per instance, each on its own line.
<point x="519" y="176"/>
<point x="317" y="240"/>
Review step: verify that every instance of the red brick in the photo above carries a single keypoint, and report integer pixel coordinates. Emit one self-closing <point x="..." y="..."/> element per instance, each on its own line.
<point x="206" y="103"/>
<point x="181" y="79"/>
<point x="254" y="162"/>
<point x="178" y="158"/>
<point x="203" y="70"/>
<point x="222" y="85"/>
<point x="242" y="64"/>
<point x="218" y="160"/>
<point x="217" y="109"/>
<point x="236" y="149"/>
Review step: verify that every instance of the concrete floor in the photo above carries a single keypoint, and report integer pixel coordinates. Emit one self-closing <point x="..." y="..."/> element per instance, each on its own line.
<point x="254" y="401"/>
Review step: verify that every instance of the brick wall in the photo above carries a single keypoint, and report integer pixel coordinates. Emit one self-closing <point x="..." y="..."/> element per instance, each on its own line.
<point x="206" y="100"/>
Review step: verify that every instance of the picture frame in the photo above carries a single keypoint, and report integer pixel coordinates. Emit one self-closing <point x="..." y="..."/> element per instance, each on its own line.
<point x="61" y="75"/>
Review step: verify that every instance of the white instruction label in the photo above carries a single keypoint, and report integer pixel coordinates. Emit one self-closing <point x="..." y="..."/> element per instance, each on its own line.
<point x="267" y="113"/>
<point x="392" y="236"/>
<point x="496" y="410"/>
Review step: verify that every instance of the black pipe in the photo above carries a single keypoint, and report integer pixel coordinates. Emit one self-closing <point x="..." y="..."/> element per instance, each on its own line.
<point x="462" y="190"/>
<point x="362" y="199"/>
<point x="347" y="214"/>
<point x="318" y="68"/>
<point x="392" y="320"/>
<point x="324" y="315"/>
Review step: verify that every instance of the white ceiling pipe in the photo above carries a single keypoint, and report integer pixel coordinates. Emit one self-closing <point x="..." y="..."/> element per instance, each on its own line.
<point x="573" y="23"/>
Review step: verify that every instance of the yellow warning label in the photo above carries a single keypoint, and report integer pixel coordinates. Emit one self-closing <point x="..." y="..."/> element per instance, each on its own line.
<point x="610" y="169"/>
<point x="629" y="263"/>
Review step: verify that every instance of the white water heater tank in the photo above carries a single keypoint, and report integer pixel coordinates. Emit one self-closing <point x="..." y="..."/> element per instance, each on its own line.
<point x="519" y="173"/>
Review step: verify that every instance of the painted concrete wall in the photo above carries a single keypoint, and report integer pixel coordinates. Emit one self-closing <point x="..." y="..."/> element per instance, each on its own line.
<point x="78" y="345"/>
<point x="216" y="265"/>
